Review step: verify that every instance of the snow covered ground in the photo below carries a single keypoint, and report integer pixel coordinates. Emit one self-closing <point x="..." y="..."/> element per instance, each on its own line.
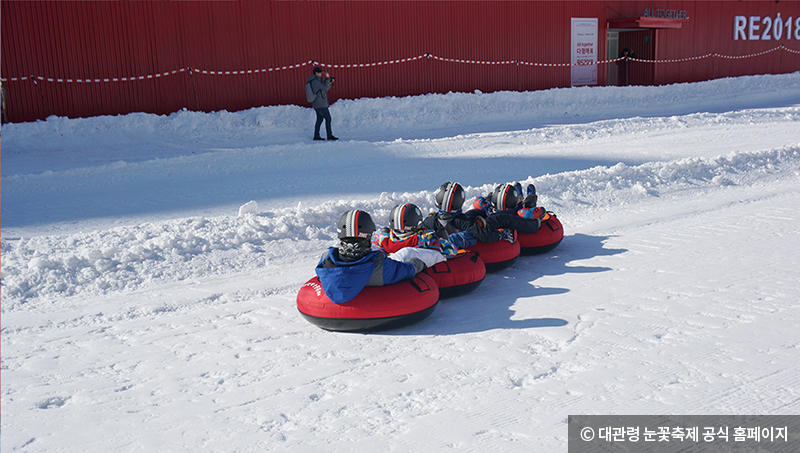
<point x="141" y="311"/>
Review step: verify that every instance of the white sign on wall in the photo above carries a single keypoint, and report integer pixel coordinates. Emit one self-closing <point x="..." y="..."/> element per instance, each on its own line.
<point x="584" y="51"/>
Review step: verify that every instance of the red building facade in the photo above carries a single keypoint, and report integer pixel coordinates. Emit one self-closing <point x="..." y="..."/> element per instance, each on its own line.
<point x="87" y="58"/>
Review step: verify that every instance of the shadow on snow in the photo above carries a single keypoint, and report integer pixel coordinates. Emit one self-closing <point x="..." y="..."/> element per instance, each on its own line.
<point x="489" y="307"/>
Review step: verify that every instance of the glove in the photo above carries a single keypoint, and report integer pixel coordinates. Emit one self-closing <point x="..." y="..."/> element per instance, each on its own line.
<point x="441" y="233"/>
<point x="445" y="218"/>
<point x="533" y="213"/>
<point x="480" y="203"/>
<point x="507" y="235"/>
<point x="418" y="264"/>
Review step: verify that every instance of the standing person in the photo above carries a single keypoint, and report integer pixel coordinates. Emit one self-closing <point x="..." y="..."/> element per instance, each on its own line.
<point x="320" y="82"/>
<point x="622" y="67"/>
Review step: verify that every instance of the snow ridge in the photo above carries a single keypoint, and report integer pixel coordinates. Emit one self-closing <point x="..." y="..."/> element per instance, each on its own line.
<point x="125" y="258"/>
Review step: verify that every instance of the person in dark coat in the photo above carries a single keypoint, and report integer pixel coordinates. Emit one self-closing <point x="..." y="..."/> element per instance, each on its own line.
<point x="321" y="82"/>
<point x="345" y="270"/>
<point x="505" y="208"/>
<point x="623" y="66"/>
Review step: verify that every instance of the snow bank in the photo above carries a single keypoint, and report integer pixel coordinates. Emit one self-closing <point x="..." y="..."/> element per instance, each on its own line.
<point x="127" y="257"/>
<point x="353" y="118"/>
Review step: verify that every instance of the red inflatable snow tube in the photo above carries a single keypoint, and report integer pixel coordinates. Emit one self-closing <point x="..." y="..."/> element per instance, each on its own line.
<point x="547" y="238"/>
<point x="374" y="308"/>
<point x="497" y="255"/>
<point x="459" y="275"/>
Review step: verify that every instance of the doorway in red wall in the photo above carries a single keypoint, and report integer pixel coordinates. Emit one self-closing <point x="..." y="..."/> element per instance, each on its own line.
<point x="640" y="44"/>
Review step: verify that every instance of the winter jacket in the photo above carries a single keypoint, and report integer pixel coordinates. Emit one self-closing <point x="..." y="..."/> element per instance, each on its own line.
<point x="454" y="222"/>
<point x="507" y="218"/>
<point x="391" y="242"/>
<point x="342" y="281"/>
<point x="321" y="88"/>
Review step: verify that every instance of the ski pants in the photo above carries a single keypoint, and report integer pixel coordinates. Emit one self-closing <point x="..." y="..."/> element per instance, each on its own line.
<point x="463" y="239"/>
<point x="323" y="114"/>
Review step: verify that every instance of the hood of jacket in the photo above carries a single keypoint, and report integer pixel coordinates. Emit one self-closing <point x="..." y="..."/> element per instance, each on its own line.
<point x="345" y="280"/>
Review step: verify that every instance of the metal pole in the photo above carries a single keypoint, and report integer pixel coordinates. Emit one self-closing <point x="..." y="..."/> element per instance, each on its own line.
<point x="41" y="93"/>
<point x="430" y="73"/>
<point x="194" y="89"/>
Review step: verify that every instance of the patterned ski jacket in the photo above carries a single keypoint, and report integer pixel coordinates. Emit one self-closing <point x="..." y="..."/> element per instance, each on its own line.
<point x="391" y="242"/>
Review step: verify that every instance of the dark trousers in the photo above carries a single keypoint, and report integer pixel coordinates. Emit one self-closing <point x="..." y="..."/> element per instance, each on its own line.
<point x="323" y="114"/>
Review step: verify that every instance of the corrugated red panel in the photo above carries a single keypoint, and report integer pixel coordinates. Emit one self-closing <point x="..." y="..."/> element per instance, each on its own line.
<point x="252" y="47"/>
<point x="710" y="30"/>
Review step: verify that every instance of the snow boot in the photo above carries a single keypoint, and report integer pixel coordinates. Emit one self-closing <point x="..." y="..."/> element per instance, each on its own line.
<point x="531" y="199"/>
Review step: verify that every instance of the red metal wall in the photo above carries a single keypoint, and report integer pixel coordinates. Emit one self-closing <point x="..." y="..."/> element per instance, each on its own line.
<point x="83" y="40"/>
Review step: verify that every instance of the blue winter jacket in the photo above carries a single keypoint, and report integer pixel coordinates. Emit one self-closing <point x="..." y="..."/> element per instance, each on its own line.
<point x="342" y="281"/>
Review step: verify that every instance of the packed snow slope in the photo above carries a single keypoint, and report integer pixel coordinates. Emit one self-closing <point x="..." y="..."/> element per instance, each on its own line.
<point x="150" y="266"/>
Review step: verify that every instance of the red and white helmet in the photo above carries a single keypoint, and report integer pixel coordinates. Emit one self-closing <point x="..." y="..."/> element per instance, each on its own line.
<point x="405" y="217"/>
<point x="505" y="196"/>
<point x="355" y="224"/>
<point x="450" y="196"/>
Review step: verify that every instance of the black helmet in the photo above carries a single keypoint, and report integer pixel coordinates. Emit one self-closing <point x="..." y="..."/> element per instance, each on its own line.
<point x="355" y="224"/>
<point x="449" y="196"/>
<point x="405" y="217"/>
<point x="505" y="196"/>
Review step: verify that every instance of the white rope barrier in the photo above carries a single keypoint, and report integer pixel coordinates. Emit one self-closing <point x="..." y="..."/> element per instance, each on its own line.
<point x="381" y="63"/>
<point x="96" y="80"/>
<point x="680" y="60"/>
<point x="248" y="71"/>
<point x="367" y="65"/>
<point x="748" y="56"/>
<point x="454" y="60"/>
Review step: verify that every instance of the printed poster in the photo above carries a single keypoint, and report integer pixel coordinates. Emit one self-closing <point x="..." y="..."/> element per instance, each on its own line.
<point x="584" y="50"/>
